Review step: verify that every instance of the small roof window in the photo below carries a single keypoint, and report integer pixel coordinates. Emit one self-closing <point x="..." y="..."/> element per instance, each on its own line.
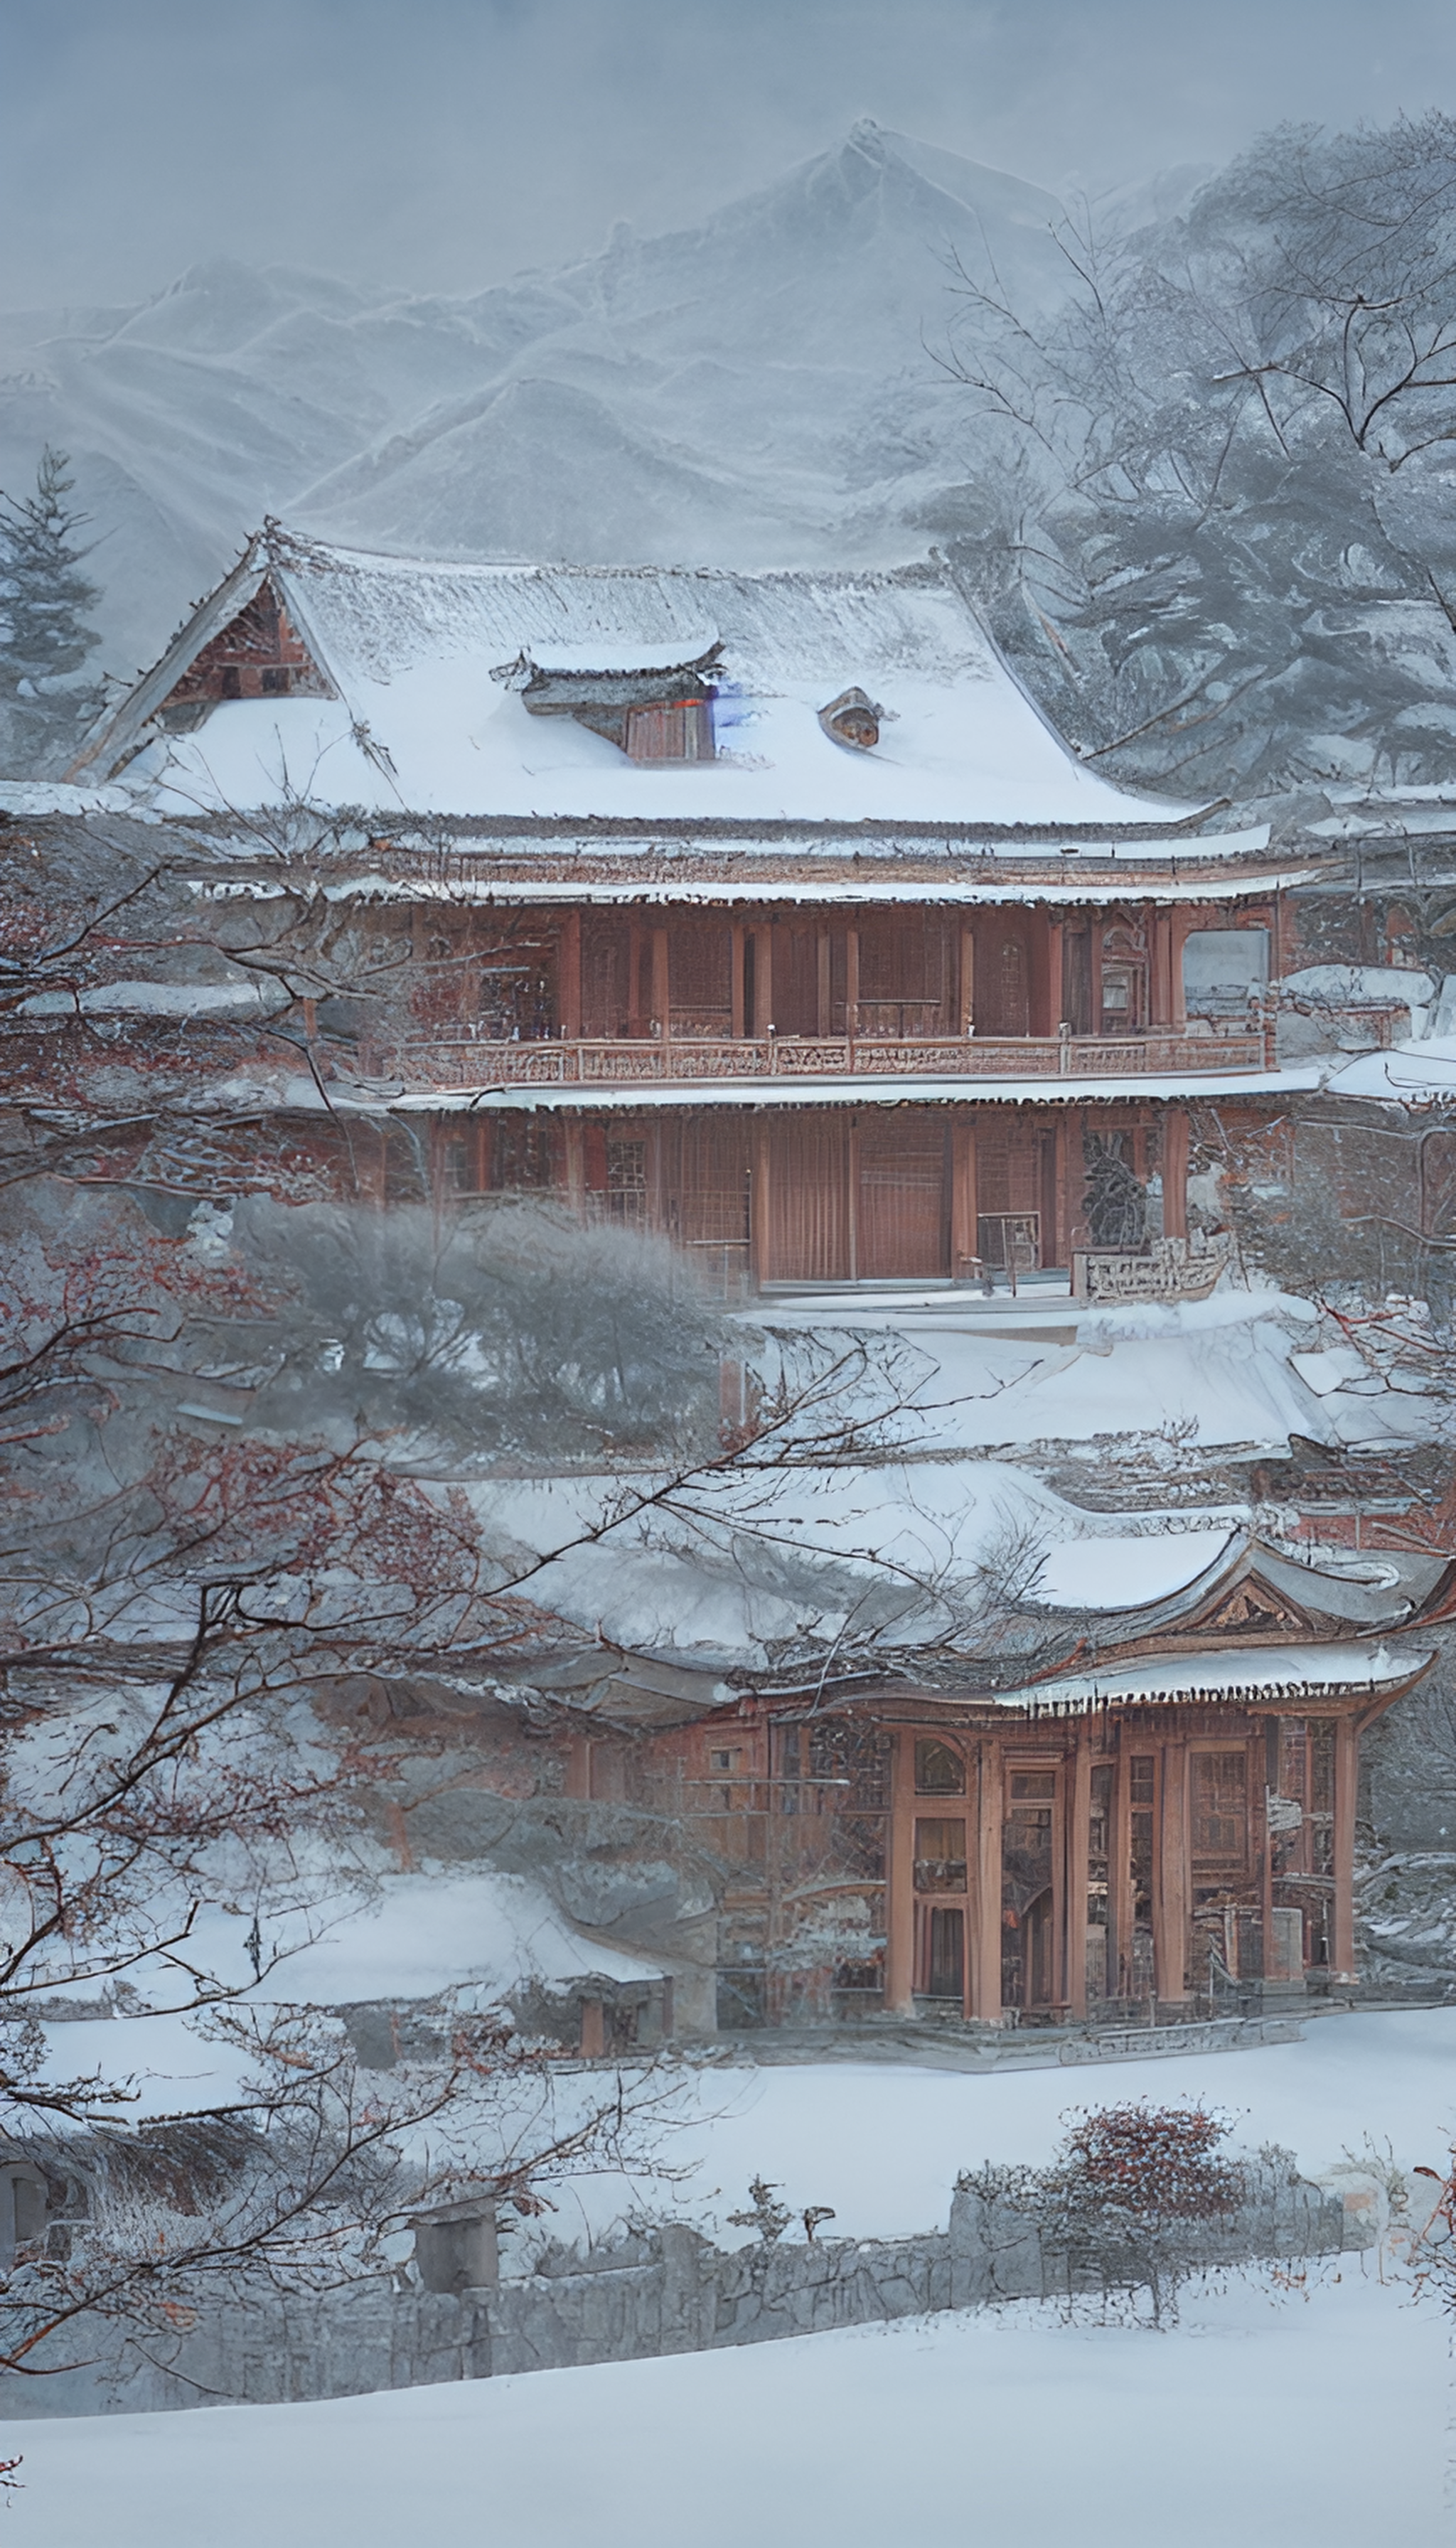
<point x="854" y="719"/>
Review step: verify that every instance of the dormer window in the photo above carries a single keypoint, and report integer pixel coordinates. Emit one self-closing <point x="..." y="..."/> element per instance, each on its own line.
<point x="854" y="718"/>
<point x="654" y="702"/>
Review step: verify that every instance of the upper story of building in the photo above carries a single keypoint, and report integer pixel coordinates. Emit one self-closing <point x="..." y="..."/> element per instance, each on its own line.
<point x="651" y="824"/>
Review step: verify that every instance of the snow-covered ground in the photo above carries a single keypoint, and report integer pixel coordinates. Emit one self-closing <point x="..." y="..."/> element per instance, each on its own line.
<point x="1317" y="2416"/>
<point x="1311" y="2410"/>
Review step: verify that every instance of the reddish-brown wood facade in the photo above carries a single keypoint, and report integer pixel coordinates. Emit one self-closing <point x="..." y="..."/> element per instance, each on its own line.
<point x="1006" y="1867"/>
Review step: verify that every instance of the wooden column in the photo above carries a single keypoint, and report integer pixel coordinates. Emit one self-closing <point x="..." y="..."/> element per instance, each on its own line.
<point x="569" y="975"/>
<point x="1346" y="1788"/>
<point x="962" y="1197"/>
<point x="851" y="1157"/>
<point x="1060" y="1251"/>
<point x="852" y="981"/>
<point x="1079" y="1815"/>
<point x="738" y="936"/>
<point x="760" y="1207"/>
<point x="763" y="978"/>
<point x="966" y="1021"/>
<point x="824" y="1002"/>
<point x="661" y="990"/>
<point x="1181" y="923"/>
<point x="1175" y="1172"/>
<point x="899" y="1950"/>
<point x="1160" y="969"/>
<point x="636" y="944"/>
<point x="1055" y="989"/>
<point x="1170" y="1878"/>
<point x="985" y="1955"/>
<point x="576" y="1164"/>
<point x="1120" y="1905"/>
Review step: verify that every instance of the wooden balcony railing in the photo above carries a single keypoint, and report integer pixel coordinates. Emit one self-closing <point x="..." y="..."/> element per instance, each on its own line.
<point x="464" y="1062"/>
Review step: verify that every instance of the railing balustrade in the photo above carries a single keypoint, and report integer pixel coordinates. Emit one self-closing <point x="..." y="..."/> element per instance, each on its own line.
<point x="466" y="1061"/>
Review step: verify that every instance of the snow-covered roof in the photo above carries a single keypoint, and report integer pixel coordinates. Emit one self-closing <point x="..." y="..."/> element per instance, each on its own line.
<point x="419" y="725"/>
<point x="1417" y="1074"/>
<point x="1250" y="1675"/>
<point x="639" y="1097"/>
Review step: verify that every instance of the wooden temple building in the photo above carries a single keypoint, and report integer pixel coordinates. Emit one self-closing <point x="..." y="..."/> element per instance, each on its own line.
<point x="767" y="913"/>
<point x="763" y="911"/>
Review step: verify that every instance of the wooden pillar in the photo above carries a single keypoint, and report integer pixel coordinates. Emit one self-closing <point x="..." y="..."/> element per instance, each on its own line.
<point x="485" y="1152"/>
<point x="661" y="989"/>
<point x="1056" y="998"/>
<point x="963" y="1230"/>
<point x="636" y="942"/>
<point x="569" y="977"/>
<point x="1182" y="923"/>
<point x="986" y="1948"/>
<point x="965" y="1022"/>
<point x="738" y="940"/>
<point x="1060" y="1251"/>
<point x="1160" y="969"/>
<point x="824" y="1004"/>
<point x="1346" y="1787"/>
<point x="899" y="1950"/>
<point x="1170" y="1878"/>
<point x="1079" y="1817"/>
<point x="1175" y="1172"/>
<point x="850" y="1156"/>
<point x="852" y="981"/>
<point x="576" y="1164"/>
<point x="1120" y="1904"/>
<point x="760" y="1207"/>
<point x="763" y="978"/>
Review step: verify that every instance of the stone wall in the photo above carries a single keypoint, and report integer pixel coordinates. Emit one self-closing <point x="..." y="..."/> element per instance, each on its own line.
<point x="666" y="2291"/>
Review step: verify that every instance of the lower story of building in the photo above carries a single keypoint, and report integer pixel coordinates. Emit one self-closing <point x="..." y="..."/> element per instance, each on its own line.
<point x="841" y="1194"/>
<point x="1167" y="1861"/>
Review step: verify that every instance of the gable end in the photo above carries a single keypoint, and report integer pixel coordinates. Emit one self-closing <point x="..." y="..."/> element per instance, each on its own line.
<point x="259" y="654"/>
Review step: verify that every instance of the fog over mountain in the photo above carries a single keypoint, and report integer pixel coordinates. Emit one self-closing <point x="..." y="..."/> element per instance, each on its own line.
<point x="754" y="391"/>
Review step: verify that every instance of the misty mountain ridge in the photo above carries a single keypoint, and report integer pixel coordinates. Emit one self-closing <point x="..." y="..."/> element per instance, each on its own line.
<point x="755" y="391"/>
<point x="763" y="390"/>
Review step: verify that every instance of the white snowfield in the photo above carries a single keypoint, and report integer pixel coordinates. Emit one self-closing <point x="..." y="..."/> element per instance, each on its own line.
<point x="1312" y="2414"/>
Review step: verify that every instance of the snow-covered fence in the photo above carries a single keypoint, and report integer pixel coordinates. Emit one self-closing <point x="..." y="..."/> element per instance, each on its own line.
<point x="665" y="2290"/>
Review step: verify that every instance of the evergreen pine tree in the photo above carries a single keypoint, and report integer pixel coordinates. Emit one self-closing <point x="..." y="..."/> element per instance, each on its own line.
<point x="43" y="598"/>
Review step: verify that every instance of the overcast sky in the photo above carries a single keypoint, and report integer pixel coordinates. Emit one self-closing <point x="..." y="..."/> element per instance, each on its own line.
<point x="445" y="143"/>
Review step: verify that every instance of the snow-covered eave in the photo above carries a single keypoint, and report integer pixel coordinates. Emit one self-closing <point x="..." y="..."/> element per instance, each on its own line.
<point x="1247" y="1677"/>
<point x="515" y="892"/>
<point x="635" y="1097"/>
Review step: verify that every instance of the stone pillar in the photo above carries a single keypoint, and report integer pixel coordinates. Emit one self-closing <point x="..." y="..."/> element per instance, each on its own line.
<point x="986" y="1944"/>
<point x="456" y="2248"/>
